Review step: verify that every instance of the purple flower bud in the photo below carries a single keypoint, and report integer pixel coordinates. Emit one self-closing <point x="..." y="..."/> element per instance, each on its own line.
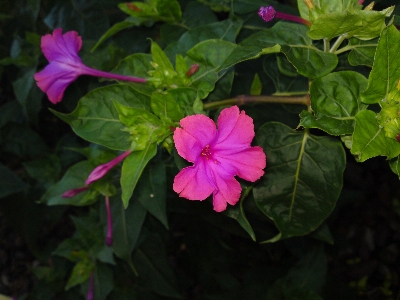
<point x="103" y="169"/>
<point x="74" y="192"/>
<point x="267" y="13"/>
<point x="90" y="293"/>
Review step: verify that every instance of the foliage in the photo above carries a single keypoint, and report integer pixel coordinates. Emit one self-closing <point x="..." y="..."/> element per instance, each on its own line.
<point x="319" y="95"/>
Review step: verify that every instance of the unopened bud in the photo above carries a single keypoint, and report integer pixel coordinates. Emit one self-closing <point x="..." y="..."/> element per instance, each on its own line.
<point x="133" y="7"/>
<point x="193" y="69"/>
<point x="398" y="138"/>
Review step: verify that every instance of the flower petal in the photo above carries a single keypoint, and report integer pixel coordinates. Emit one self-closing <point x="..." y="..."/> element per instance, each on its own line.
<point x="193" y="183"/>
<point x="235" y="129"/>
<point x="247" y="164"/>
<point x="187" y="146"/>
<point x="201" y="127"/>
<point x="61" y="47"/>
<point x="54" y="79"/>
<point x="228" y="190"/>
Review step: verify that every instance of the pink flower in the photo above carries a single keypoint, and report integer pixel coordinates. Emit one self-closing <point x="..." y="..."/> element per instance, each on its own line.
<point x="61" y="50"/>
<point x="103" y="169"/>
<point x="217" y="156"/>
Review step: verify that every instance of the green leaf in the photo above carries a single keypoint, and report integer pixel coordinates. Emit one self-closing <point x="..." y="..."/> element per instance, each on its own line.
<point x="96" y="119"/>
<point x="80" y="273"/>
<point x="165" y="107"/>
<point x="335" y="100"/>
<point x="292" y="40"/>
<point x="385" y="74"/>
<point x="151" y="191"/>
<point x="362" y="24"/>
<point x="127" y="23"/>
<point x="362" y="52"/>
<point x="284" y="84"/>
<point x="209" y="55"/>
<point x="236" y="212"/>
<point x="159" y="57"/>
<point x="153" y="268"/>
<point x="185" y="97"/>
<point x="103" y="281"/>
<point x="256" y="86"/>
<point x="74" y="178"/>
<point x="127" y="226"/>
<point x="226" y="30"/>
<point x="395" y="165"/>
<point x="369" y="138"/>
<point x="132" y="169"/>
<point x="168" y="11"/>
<point x="303" y="178"/>
<point x="323" y="7"/>
<point x="10" y="183"/>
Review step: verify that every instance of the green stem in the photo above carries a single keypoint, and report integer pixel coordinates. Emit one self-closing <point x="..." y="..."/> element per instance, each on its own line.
<point x="247" y="99"/>
<point x="338" y="42"/>
<point x="326" y="45"/>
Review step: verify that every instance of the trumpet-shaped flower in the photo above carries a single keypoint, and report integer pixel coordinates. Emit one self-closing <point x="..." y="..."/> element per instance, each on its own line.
<point x="217" y="156"/>
<point x="61" y="50"/>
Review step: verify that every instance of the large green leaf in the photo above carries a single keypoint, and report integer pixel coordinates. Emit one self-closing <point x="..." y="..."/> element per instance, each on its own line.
<point x="127" y="226"/>
<point x="151" y="191"/>
<point x="335" y="100"/>
<point x="153" y="268"/>
<point x="153" y="10"/>
<point x="74" y="178"/>
<point x="96" y="119"/>
<point x="132" y="169"/>
<point x="322" y="7"/>
<point x="369" y="138"/>
<point x="384" y="77"/>
<point x="303" y="178"/>
<point x="293" y="41"/>
<point x="226" y="30"/>
<point x="362" y="24"/>
<point x="362" y="52"/>
<point x="10" y="183"/>
<point x="209" y="55"/>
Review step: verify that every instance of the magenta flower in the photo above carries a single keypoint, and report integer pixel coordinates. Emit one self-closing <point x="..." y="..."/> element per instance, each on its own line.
<point x="217" y="156"/>
<point x="268" y="13"/>
<point x="103" y="169"/>
<point x="61" y="50"/>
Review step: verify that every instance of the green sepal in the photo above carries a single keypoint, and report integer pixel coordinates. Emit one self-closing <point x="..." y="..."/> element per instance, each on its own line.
<point x="144" y="127"/>
<point x="165" y="107"/>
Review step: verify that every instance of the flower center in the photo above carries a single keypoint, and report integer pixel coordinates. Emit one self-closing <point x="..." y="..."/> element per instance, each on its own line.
<point x="206" y="152"/>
